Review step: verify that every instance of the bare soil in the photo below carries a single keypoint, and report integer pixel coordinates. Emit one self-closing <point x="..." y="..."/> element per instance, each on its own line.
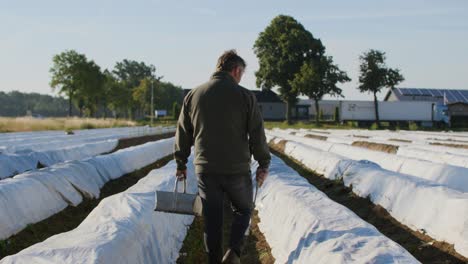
<point x="400" y="140"/>
<point x="321" y="132"/>
<point x="134" y="141"/>
<point x="421" y="246"/>
<point x="376" y="146"/>
<point x="256" y="248"/>
<point x="450" y="145"/>
<point x="448" y="139"/>
<point x="324" y="138"/>
<point x="359" y="136"/>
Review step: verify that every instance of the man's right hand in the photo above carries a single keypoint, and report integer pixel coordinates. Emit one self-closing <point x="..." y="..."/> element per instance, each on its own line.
<point x="181" y="175"/>
<point x="261" y="175"/>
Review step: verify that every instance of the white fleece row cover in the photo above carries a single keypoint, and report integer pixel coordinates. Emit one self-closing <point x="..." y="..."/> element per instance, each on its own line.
<point x="59" y="150"/>
<point x="315" y="229"/>
<point x="454" y="177"/>
<point x="123" y="228"/>
<point x="433" y="153"/>
<point x="417" y="139"/>
<point x="36" y="195"/>
<point x="12" y="164"/>
<point x="12" y="138"/>
<point x="422" y="205"/>
<point x="23" y="145"/>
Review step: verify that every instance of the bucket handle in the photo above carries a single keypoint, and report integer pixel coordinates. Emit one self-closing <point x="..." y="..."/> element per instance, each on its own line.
<point x="176" y="183"/>
<point x="174" y="203"/>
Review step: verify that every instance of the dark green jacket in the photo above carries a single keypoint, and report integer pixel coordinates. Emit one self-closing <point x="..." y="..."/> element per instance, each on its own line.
<point x="222" y="120"/>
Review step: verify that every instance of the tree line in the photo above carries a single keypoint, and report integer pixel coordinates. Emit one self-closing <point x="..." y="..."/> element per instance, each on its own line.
<point x="125" y="91"/>
<point x="14" y="104"/>
<point x="295" y="62"/>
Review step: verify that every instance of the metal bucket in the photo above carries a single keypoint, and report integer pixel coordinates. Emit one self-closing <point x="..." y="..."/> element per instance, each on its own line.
<point x="178" y="203"/>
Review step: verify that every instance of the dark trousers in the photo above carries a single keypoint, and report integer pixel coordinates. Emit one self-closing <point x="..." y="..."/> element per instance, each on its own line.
<point x="238" y="188"/>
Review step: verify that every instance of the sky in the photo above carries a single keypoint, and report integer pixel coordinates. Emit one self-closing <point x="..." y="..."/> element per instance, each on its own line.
<point x="426" y="40"/>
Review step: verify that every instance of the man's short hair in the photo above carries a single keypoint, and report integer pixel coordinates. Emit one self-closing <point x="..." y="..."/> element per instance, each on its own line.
<point x="229" y="61"/>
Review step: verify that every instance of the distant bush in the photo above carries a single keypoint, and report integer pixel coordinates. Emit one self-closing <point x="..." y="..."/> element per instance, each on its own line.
<point x="352" y="124"/>
<point x="413" y="126"/>
<point x="374" y="126"/>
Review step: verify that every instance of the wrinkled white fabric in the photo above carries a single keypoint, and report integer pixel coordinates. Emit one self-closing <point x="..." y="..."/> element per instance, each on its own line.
<point x="419" y="203"/>
<point x="63" y="184"/>
<point x="123" y="228"/>
<point x="315" y="229"/>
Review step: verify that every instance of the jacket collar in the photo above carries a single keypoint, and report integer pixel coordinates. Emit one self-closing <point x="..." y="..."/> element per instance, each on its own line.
<point x="222" y="75"/>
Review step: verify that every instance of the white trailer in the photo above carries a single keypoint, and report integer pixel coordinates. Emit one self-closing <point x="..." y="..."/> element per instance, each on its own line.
<point x="418" y="111"/>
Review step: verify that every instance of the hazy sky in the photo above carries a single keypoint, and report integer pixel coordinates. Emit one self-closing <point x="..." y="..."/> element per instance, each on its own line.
<point x="427" y="40"/>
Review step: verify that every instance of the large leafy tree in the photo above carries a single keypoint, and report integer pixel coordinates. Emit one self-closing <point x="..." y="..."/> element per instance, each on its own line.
<point x="93" y="92"/>
<point x="67" y="74"/>
<point x="130" y="73"/>
<point x="115" y="96"/>
<point x="376" y="75"/>
<point x="142" y="94"/>
<point x="317" y="79"/>
<point x="282" y="48"/>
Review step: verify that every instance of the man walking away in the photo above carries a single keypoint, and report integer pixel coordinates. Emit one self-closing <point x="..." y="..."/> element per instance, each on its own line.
<point x="222" y="120"/>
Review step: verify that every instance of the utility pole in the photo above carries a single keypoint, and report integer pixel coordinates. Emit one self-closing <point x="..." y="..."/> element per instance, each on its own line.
<point x="152" y="102"/>
<point x="153" y="76"/>
<point x="152" y="95"/>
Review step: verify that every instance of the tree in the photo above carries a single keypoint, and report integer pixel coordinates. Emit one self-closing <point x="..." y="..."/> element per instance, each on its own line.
<point x="142" y="95"/>
<point x="282" y="49"/>
<point x="15" y="104"/>
<point x="66" y="72"/>
<point x="175" y="110"/>
<point x="317" y="79"/>
<point x="92" y="92"/>
<point x="375" y="75"/>
<point x="115" y="94"/>
<point x="130" y="73"/>
<point x="81" y="80"/>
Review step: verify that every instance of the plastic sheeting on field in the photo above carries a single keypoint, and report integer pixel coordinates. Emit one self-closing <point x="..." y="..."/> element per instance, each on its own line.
<point x="123" y="228"/>
<point x="454" y="177"/>
<point x="437" y="157"/>
<point x="330" y="165"/>
<point x="20" y="152"/>
<point x="25" y="142"/>
<point x="440" y="212"/>
<point x="418" y="148"/>
<point x="11" y="164"/>
<point x="315" y="229"/>
<point x="36" y="195"/>
<point x="24" y="201"/>
<point x="421" y="204"/>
